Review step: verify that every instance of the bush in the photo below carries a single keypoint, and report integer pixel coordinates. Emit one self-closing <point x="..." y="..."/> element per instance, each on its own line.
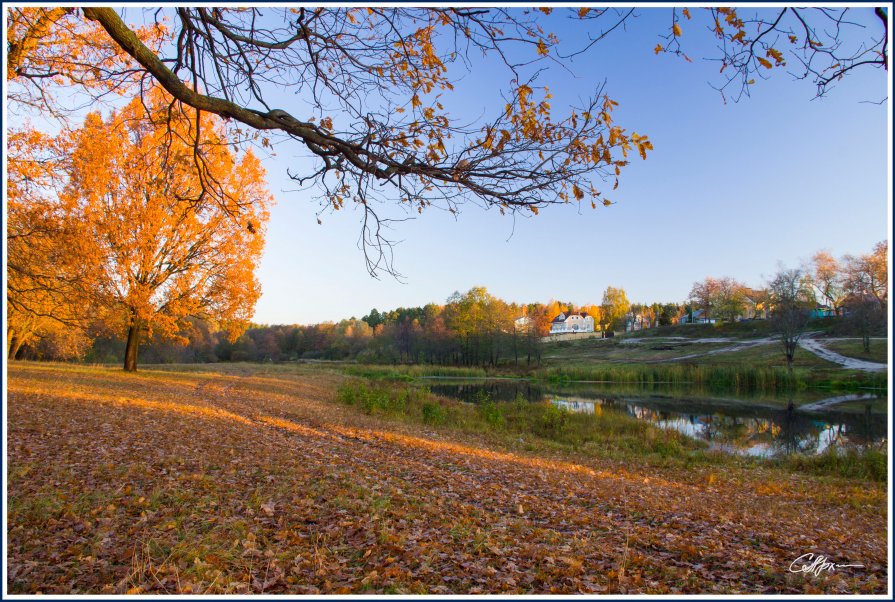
<point x="433" y="413"/>
<point x="374" y="400"/>
<point x="553" y="419"/>
<point x="492" y="414"/>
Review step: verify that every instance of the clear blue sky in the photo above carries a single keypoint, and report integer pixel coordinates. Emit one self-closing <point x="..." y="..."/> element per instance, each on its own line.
<point x="730" y="190"/>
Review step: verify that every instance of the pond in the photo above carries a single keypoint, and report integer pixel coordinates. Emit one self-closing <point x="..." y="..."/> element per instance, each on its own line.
<point x="806" y="423"/>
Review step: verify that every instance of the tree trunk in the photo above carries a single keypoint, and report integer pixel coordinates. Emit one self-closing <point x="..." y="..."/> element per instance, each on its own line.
<point x="515" y="347"/>
<point x="133" y="342"/>
<point x="790" y="353"/>
<point x="16" y="347"/>
<point x="10" y="337"/>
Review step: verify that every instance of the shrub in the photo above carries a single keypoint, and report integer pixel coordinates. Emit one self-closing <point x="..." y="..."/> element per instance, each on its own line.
<point x="553" y="419"/>
<point x="492" y="414"/>
<point x="433" y="413"/>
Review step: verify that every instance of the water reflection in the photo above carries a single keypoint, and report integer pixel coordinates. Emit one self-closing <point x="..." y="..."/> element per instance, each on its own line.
<point x="747" y="427"/>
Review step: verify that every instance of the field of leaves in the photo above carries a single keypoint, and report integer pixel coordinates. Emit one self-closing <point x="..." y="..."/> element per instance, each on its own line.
<point x="257" y="482"/>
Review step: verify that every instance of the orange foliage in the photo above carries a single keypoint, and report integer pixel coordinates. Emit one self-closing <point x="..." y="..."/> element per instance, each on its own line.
<point x="55" y="45"/>
<point x="177" y="229"/>
<point x="44" y="248"/>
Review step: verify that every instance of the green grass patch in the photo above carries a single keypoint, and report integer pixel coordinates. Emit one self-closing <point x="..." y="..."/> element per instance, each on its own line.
<point x="769" y="355"/>
<point x="879" y="349"/>
<point x="618" y="350"/>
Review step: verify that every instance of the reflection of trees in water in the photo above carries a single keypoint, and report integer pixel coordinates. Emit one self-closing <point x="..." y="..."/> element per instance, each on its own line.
<point x="739" y="428"/>
<point x="772" y="433"/>
<point x="495" y="390"/>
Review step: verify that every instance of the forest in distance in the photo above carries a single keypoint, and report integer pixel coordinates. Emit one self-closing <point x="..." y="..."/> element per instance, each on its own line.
<point x="476" y="328"/>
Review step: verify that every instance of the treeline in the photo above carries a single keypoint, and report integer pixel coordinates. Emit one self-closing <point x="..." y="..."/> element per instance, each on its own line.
<point x="828" y="285"/>
<point x="471" y="329"/>
<point x="478" y="329"/>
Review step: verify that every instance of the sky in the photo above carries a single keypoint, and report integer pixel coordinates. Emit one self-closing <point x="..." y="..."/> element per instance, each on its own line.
<point x="731" y="189"/>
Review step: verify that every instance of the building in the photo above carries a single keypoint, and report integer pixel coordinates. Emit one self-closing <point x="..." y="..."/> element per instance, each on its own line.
<point x="522" y="323"/>
<point x="696" y="317"/>
<point x="572" y="322"/>
<point x="636" y="322"/>
<point x="755" y="304"/>
<point x="822" y="311"/>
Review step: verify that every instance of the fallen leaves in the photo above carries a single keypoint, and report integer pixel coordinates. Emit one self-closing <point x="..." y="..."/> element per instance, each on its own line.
<point x="167" y="482"/>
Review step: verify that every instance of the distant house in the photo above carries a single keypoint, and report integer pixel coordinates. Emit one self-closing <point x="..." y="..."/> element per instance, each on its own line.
<point x="636" y="322"/>
<point x="696" y="317"/>
<point x="755" y="306"/>
<point x="522" y="323"/>
<point x="822" y="311"/>
<point x="572" y="322"/>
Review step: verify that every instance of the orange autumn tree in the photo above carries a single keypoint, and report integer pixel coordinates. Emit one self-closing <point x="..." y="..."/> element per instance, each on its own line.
<point x="44" y="270"/>
<point x="176" y="219"/>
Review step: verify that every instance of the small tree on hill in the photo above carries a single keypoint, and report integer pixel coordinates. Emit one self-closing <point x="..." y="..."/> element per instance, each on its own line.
<point x="791" y="301"/>
<point x="866" y="317"/>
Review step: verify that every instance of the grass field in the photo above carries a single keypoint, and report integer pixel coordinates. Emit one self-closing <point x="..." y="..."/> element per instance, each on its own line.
<point x="879" y="349"/>
<point x="770" y="355"/>
<point x="621" y="350"/>
<point x="665" y="350"/>
<point x="251" y="479"/>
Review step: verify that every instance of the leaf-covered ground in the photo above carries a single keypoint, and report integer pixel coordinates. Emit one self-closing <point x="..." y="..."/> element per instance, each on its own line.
<point x="223" y="483"/>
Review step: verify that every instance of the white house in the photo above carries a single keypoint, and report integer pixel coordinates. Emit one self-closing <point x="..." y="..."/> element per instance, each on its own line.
<point x="522" y="323"/>
<point x="572" y="322"/>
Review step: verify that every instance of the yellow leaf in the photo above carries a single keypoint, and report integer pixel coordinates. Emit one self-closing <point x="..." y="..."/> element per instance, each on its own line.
<point x="686" y="12"/>
<point x="676" y="29"/>
<point x="658" y="48"/>
<point x="764" y="62"/>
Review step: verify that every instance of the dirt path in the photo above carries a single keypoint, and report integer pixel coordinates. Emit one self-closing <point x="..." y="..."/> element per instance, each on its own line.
<point x="215" y="484"/>
<point x="816" y="347"/>
<point x="738" y="346"/>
